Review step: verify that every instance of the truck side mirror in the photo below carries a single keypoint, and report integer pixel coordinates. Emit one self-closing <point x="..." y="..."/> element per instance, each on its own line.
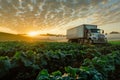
<point x="102" y="31"/>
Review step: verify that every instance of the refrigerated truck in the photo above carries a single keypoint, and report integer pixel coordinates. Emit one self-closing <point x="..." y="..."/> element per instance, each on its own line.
<point x="86" y="33"/>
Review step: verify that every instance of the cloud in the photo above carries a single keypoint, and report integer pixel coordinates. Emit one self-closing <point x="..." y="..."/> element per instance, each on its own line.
<point x="57" y="14"/>
<point x="4" y="29"/>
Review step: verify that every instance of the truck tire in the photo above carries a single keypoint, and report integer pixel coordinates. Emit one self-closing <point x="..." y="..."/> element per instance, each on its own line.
<point x="81" y="41"/>
<point x="75" y="40"/>
<point x="72" y="40"/>
<point x="106" y="41"/>
<point x="69" y="41"/>
<point x="90" y="41"/>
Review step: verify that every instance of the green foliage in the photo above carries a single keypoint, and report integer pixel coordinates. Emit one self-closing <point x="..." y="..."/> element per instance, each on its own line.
<point x="29" y="61"/>
<point x="5" y="65"/>
<point x="87" y="73"/>
<point x="57" y="73"/>
<point x="43" y="75"/>
<point x="71" y="71"/>
<point x="114" y="42"/>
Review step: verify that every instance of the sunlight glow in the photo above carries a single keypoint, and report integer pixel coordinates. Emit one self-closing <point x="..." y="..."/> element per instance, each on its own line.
<point x="33" y="34"/>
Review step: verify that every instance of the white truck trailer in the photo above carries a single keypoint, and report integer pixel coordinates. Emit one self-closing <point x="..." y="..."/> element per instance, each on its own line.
<point x="86" y="33"/>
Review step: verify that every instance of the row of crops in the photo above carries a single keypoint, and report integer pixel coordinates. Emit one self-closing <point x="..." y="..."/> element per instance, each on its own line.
<point x="58" y="61"/>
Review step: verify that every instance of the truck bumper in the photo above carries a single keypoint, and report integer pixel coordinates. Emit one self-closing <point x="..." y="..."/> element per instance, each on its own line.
<point x="100" y="41"/>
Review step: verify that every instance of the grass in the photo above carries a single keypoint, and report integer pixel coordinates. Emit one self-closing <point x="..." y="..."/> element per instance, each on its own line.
<point x="115" y="42"/>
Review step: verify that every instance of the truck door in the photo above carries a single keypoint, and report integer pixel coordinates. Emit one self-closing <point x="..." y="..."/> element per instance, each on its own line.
<point x="86" y="33"/>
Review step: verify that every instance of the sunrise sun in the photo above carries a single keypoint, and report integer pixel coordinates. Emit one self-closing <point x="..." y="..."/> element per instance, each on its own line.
<point x="33" y="34"/>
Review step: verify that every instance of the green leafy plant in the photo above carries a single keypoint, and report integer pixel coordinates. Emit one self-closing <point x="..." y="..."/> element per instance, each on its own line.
<point x="43" y="75"/>
<point x="5" y="65"/>
<point x="24" y="60"/>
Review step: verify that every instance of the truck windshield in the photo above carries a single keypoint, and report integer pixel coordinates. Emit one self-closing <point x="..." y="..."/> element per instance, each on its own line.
<point x="95" y="30"/>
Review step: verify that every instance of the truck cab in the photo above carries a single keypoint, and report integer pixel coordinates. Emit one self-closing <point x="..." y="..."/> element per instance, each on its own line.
<point x="96" y="36"/>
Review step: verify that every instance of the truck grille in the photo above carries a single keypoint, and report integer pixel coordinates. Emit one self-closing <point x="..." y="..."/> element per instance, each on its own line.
<point x="101" y="39"/>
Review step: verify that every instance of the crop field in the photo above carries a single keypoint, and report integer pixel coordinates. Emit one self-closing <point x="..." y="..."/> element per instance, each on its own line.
<point x="59" y="61"/>
<point x="115" y="42"/>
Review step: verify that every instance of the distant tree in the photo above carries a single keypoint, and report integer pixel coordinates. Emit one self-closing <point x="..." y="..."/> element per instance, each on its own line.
<point x="114" y="32"/>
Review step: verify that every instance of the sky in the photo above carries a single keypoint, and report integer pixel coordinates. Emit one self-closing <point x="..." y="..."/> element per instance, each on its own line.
<point x="56" y="16"/>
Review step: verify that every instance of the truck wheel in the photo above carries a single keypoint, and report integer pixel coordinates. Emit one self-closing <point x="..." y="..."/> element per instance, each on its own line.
<point x="69" y="41"/>
<point x="81" y="41"/>
<point x="90" y="41"/>
<point x="106" y="41"/>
